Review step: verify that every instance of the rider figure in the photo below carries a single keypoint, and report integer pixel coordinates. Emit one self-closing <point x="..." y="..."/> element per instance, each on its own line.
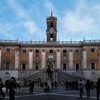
<point x="49" y="71"/>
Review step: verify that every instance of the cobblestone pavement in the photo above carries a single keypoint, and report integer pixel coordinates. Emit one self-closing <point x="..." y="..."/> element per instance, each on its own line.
<point x="59" y="94"/>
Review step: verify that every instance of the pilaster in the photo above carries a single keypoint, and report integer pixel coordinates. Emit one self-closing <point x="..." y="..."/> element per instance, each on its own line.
<point x="58" y="59"/>
<point x="30" y="59"/>
<point x="43" y="59"/>
<point x="70" y="59"/>
<point x="84" y="59"/>
<point x="17" y="58"/>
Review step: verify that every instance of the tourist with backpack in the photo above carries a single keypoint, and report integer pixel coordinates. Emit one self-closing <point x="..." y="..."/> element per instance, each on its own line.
<point x="81" y="87"/>
<point x="12" y="85"/>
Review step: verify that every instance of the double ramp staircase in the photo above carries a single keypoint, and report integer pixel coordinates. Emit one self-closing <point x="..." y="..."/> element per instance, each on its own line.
<point x="62" y="77"/>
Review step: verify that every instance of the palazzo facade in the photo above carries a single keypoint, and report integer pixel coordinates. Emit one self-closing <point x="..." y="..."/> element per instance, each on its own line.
<point x="24" y="58"/>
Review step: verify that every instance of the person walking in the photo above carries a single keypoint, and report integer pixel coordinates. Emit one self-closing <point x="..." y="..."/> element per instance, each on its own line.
<point x="12" y="86"/>
<point x="66" y="85"/>
<point x="55" y="83"/>
<point x="81" y="88"/>
<point x="46" y="87"/>
<point x="88" y="86"/>
<point x="1" y="91"/>
<point x="31" y="86"/>
<point x="98" y="88"/>
<point x="6" y="85"/>
<point x="18" y="85"/>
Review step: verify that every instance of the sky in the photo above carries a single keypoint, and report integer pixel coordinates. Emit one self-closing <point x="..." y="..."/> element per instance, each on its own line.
<point x="25" y="20"/>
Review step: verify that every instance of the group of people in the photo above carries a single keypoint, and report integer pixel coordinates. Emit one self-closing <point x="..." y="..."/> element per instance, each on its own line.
<point x="10" y="85"/>
<point x="71" y="85"/>
<point x="87" y="86"/>
<point x="80" y="85"/>
<point x="52" y="86"/>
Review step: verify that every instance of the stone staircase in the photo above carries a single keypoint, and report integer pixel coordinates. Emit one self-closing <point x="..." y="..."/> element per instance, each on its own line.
<point x="61" y="77"/>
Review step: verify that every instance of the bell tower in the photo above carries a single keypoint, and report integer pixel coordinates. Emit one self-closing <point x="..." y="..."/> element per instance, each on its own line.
<point x="51" y="31"/>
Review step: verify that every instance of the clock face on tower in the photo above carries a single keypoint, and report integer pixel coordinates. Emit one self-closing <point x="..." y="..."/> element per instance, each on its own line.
<point x="51" y="30"/>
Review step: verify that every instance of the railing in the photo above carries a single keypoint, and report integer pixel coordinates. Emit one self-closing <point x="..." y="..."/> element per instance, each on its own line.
<point x="91" y="41"/>
<point x="51" y="42"/>
<point x="8" y="41"/>
<point x="32" y="42"/>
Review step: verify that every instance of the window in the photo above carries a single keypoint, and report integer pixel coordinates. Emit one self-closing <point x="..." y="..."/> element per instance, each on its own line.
<point x="36" y="67"/>
<point x="64" y="51"/>
<point x="77" y="66"/>
<point x="64" y="66"/>
<point x="51" y="51"/>
<point x="8" y="50"/>
<point x="92" y="65"/>
<point x="23" y="66"/>
<point x="92" y="50"/>
<point x="51" y="36"/>
<point x="51" y="24"/>
<point x="77" y="51"/>
<point x="37" y="51"/>
<point x="24" y="51"/>
<point x="7" y="65"/>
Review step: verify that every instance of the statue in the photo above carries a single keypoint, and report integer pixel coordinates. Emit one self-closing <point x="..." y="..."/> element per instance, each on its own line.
<point x="49" y="71"/>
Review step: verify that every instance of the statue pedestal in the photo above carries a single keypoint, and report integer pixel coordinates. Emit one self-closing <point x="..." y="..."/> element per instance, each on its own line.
<point x="49" y="81"/>
<point x="50" y="77"/>
<point x="49" y="84"/>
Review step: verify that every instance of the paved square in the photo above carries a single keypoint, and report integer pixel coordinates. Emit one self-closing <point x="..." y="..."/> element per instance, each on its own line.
<point x="59" y="94"/>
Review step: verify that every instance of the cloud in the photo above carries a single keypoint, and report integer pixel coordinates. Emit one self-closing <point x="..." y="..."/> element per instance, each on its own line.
<point x="74" y="23"/>
<point x="31" y="27"/>
<point x="85" y="19"/>
<point x="18" y="10"/>
<point x="5" y="29"/>
<point x="50" y="7"/>
<point x="25" y="19"/>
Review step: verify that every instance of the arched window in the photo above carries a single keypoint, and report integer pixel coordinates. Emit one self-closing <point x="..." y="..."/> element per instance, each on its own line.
<point x="64" y="66"/>
<point x="36" y="66"/>
<point x="51" y="24"/>
<point x="92" y="64"/>
<point x="8" y="50"/>
<point x="23" y="66"/>
<point x="77" y="65"/>
<point x="51" y="37"/>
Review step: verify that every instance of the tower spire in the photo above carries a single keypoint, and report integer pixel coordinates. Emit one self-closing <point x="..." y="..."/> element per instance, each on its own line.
<point x="51" y="13"/>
